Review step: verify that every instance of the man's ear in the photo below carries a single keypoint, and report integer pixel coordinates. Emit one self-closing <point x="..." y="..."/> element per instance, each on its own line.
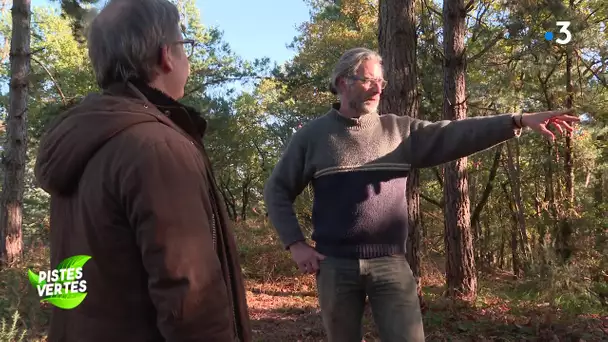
<point x="342" y="84"/>
<point x="166" y="59"/>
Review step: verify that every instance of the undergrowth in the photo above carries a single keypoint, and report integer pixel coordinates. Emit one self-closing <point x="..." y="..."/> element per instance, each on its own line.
<point x="565" y="294"/>
<point x="11" y="333"/>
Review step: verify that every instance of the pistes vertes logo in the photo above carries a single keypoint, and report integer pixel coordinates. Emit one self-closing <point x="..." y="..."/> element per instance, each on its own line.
<point x="64" y="286"/>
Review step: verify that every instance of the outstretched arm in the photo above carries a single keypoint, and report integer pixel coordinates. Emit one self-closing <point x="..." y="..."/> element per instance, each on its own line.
<point x="432" y="143"/>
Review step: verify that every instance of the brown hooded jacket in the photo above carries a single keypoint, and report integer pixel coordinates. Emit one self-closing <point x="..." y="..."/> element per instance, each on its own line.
<point x="132" y="187"/>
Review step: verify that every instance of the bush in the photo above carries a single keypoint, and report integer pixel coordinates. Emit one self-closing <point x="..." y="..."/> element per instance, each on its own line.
<point x="10" y="334"/>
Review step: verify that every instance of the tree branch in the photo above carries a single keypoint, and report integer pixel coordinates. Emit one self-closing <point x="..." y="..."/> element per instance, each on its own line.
<point x="439" y="14"/>
<point x="431" y="200"/>
<point x="602" y="80"/>
<point x="438" y="176"/>
<point x="48" y="72"/>
<point x="489" y="185"/>
<point x="469" y="6"/>
<point x="479" y="22"/>
<point x="490" y="45"/>
<point x="438" y="52"/>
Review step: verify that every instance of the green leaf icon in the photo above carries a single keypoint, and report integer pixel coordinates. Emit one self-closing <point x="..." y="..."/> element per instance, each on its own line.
<point x="62" y="297"/>
<point x="66" y="301"/>
<point x="73" y="262"/>
<point x="34" y="279"/>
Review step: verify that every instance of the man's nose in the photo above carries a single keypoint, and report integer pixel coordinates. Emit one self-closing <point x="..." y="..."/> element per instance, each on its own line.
<point x="376" y="87"/>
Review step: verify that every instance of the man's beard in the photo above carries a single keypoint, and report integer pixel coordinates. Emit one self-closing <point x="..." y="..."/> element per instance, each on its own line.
<point x="361" y="108"/>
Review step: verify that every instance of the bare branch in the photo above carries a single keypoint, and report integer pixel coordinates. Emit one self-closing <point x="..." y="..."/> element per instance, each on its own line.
<point x="489" y="185"/>
<point x="479" y="22"/>
<point x="432" y="9"/>
<point x="592" y="13"/>
<point x="490" y="45"/>
<point x="438" y="52"/>
<point x="432" y="201"/>
<point x="590" y="69"/>
<point x="469" y="6"/>
<point x="48" y="72"/>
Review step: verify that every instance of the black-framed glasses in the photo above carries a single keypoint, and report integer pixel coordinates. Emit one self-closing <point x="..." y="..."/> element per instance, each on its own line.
<point x="189" y="45"/>
<point x="367" y="82"/>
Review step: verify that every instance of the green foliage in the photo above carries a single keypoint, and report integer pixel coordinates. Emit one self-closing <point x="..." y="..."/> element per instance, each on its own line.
<point x="78" y="12"/>
<point x="333" y="28"/>
<point x="11" y="334"/>
<point x="17" y="295"/>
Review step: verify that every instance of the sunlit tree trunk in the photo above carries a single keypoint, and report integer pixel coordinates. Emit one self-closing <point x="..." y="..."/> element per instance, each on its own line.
<point x="14" y="154"/>
<point x="397" y="42"/>
<point x="461" y="273"/>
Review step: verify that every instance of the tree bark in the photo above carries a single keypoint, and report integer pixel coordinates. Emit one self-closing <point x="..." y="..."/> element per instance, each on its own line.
<point x="550" y="216"/>
<point x="513" y="176"/>
<point x="564" y="247"/>
<point x="14" y="156"/>
<point x="397" y="42"/>
<point x="245" y="192"/>
<point x="486" y="193"/>
<point x="229" y="199"/>
<point x="461" y="273"/>
<point x="514" y="229"/>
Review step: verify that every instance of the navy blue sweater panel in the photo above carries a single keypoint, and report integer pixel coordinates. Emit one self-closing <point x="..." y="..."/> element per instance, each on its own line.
<point x="360" y="213"/>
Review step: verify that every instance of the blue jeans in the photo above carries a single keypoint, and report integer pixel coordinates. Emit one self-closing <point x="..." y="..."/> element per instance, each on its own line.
<point x="388" y="281"/>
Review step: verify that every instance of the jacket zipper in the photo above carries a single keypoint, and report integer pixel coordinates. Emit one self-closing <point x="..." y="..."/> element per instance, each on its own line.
<point x="213" y="217"/>
<point x="230" y="276"/>
<point x="214" y="233"/>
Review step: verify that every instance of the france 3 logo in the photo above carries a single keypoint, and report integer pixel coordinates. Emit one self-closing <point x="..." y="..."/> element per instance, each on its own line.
<point x="564" y="30"/>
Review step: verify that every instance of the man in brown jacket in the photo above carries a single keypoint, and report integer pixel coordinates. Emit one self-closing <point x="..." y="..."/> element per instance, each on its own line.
<point x="132" y="187"/>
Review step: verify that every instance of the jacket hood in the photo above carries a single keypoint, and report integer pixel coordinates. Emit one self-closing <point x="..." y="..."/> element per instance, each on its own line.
<point x="75" y="136"/>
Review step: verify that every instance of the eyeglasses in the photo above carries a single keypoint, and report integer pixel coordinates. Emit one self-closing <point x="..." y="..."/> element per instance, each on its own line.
<point x="367" y="82"/>
<point x="189" y="45"/>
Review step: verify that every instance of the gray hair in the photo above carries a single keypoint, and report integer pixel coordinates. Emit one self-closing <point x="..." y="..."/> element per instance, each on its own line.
<point x="348" y="64"/>
<point x="125" y="38"/>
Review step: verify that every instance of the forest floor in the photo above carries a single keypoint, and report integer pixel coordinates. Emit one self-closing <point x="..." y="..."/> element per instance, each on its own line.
<point x="283" y="304"/>
<point x="287" y="310"/>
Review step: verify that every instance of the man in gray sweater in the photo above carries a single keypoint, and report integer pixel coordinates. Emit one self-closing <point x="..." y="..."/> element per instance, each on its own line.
<point x="358" y="162"/>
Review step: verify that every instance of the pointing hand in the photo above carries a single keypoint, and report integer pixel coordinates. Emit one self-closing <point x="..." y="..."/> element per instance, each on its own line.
<point x="539" y="121"/>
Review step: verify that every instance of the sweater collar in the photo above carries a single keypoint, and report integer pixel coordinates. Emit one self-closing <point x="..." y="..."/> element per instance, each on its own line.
<point x="361" y="122"/>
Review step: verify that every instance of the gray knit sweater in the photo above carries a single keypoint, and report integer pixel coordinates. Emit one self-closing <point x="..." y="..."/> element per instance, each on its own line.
<point x="358" y="169"/>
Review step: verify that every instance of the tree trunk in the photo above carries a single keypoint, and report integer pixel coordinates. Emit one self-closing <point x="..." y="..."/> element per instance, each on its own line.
<point x="501" y="255"/>
<point x="598" y="189"/>
<point x="475" y="217"/>
<point x="245" y="192"/>
<point x="550" y="216"/>
<point x="489" y="252"/>
<point x="513" y="176"/>
<point x="474" y="224"/>
<point x="564" y="247"/>
<point x="229" y="199"/>
<point x="461" y="273"/>
<point x="397" y="42"/>
<point x="514" y="228"/>
<point x="14" y="156"/>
